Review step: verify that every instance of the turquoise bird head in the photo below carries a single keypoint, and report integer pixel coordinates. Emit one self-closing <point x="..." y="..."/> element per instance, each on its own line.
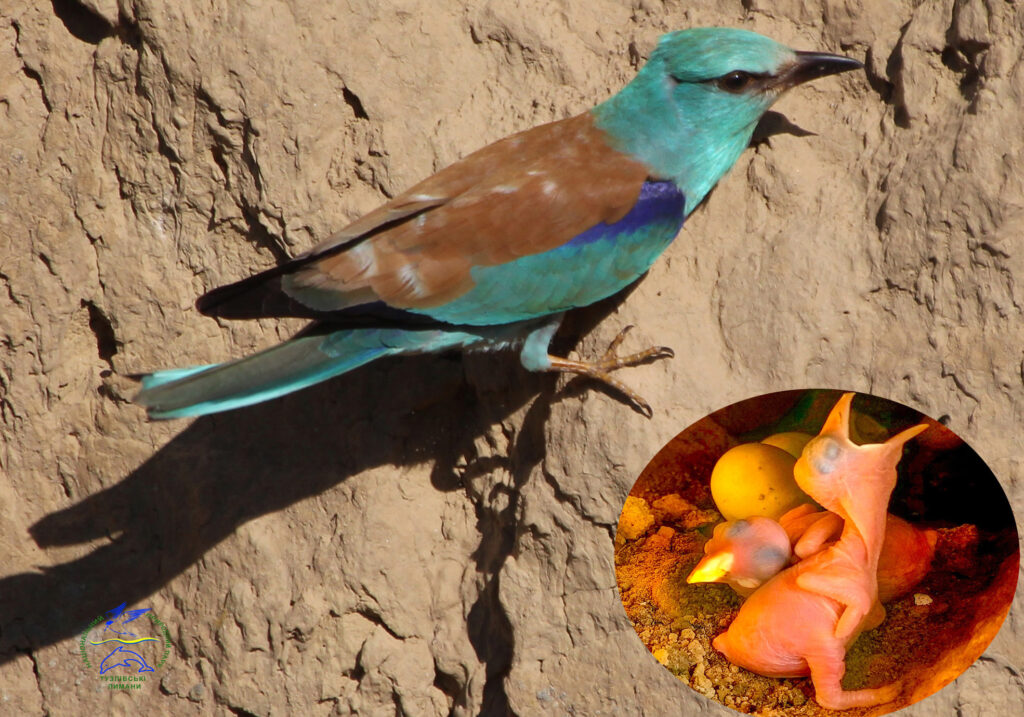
<point x="692" y="109"/>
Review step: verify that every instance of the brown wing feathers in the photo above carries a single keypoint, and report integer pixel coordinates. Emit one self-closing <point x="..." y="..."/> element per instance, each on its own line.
<point x="525" y="194"/>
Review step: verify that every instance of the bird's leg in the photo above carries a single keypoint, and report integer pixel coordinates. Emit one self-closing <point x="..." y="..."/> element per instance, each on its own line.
<point x="611" y="361"/>
<point x="827" y="668"/>
<point x="535" y="357"/>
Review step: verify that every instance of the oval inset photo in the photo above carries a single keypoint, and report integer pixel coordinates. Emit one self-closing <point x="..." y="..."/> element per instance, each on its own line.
<point x="808" y="552"/>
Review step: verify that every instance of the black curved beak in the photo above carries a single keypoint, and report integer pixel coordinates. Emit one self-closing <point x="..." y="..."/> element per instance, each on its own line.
<point x="812" y="65"/>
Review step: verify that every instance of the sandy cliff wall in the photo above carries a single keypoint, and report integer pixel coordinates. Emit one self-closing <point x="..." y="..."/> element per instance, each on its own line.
<point x="435" y="535"/>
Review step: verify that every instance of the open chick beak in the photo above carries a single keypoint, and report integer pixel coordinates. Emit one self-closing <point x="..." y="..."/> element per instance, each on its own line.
<point x="812" y="65"/>
<point x="712" y="568"/>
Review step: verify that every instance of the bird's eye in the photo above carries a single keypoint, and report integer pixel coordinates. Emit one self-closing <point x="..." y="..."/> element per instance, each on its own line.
<point x="737" y="529"/>
<point x="823" y="453"/>
<point x="735" y="81"/>
<point x="770" y="555"/>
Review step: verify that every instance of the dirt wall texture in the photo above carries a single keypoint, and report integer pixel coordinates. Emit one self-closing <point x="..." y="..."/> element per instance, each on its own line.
<point x="434" y="536"/>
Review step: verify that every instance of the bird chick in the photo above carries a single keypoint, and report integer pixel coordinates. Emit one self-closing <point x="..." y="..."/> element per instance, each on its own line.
<point x="743" y="554"/>
<point x="802" y="621"/>
<point x="906" y="555"/>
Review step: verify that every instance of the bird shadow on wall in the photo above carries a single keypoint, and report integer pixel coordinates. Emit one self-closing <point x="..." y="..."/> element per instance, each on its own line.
<point x="226" y="469"/>
<point x="773" y="123"/>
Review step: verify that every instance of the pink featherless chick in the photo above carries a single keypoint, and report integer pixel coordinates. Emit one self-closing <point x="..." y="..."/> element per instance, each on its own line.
<point x="801" y="621"/>
<point x="906" y="555"/>
<point x="744" y="554"/>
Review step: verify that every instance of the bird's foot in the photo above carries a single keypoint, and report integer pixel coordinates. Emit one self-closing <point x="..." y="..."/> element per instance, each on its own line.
<point x="839" y="699"/>
<point x="611" y="361"/>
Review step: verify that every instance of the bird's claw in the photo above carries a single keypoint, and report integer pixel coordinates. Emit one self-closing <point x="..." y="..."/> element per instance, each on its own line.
<point x="611" y="361"/>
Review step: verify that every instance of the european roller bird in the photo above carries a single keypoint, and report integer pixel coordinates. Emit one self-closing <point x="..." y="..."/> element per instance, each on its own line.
<point x="490" y="252"/>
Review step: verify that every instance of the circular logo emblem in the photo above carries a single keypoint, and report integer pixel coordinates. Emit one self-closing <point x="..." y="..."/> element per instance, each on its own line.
<point x="124" y="648"/>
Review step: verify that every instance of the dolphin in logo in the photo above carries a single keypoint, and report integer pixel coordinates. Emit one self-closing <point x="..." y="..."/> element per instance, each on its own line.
<point x="127" y="657"/>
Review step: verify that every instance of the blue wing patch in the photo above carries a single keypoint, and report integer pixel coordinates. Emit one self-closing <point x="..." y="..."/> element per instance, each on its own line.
<point x="659" y="202"/>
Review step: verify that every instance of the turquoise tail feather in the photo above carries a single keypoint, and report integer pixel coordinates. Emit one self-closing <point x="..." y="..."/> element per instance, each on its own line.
<point x="287" y="367"/>
<point x="159" y="378"/>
